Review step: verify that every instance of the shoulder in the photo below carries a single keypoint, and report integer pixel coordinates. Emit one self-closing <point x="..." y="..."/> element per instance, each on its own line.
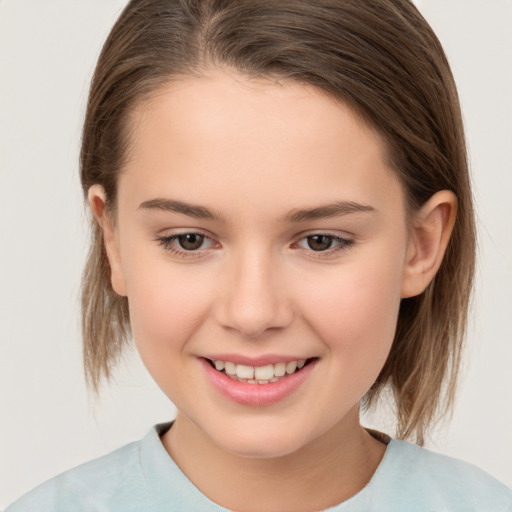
<point x="425" y="480"/>
<point x="115" y="478"/>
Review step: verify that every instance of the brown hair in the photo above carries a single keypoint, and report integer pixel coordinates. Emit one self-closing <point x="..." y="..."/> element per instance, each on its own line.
<point x="378" y="56"/>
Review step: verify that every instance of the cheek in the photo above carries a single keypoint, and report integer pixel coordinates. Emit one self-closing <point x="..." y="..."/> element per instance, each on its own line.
<point x="355" y="315"/>
<point x="166" y="306"/>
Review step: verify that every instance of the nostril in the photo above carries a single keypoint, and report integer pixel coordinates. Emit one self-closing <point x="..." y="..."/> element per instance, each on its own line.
<point x="253" y="306"/>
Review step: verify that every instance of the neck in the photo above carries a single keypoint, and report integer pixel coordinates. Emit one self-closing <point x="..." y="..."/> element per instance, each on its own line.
<point x="322" y="474"/>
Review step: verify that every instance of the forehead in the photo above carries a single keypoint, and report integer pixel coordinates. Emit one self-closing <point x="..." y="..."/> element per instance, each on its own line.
<point x="252" y="139"/>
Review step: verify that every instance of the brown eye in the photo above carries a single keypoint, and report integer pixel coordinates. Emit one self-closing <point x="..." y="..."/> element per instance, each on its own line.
<point x="190" y="241"/>
<point x="319" y="242"/>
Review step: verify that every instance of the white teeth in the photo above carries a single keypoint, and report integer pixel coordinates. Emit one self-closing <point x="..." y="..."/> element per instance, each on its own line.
<point x="264" y="372"/>
<point x="230" y="368"/>
<point x="291" y="367"/>
<point x="244" y="372"/>
<point x="260" y="374"/>
<point x="279" y="369"/>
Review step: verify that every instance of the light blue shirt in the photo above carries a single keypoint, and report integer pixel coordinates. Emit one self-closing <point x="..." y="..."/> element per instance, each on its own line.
<point x="142" y="477"/>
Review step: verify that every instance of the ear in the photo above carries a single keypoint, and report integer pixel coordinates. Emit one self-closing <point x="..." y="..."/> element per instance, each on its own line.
<point x="429" y="237"/>
<point x="97" y="202"/>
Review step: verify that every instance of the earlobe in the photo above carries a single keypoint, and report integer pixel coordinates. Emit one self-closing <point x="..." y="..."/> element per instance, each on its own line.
<point x="429" y="237"/>
<point x="97" y="202"/>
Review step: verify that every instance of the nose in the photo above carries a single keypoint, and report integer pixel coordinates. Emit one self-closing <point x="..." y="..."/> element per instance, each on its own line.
<point x="253" y="298"/>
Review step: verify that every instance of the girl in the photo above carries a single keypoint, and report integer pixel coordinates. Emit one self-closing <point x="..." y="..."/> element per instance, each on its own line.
<point x="283" y="223"/>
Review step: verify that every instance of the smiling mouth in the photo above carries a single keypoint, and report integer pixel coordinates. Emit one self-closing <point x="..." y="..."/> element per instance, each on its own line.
<point x="259" y="374"/>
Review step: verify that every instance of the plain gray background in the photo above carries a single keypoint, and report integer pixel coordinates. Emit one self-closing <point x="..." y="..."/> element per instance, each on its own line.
<point x="48" y="50"/>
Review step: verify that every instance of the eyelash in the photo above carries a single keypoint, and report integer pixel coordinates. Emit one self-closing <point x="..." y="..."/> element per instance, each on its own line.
<point x="343" y="245"/>
<point x="169" y="244"/>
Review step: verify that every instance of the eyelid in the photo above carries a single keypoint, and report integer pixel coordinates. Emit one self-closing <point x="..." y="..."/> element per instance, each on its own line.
<point x="167" y="241"/>
<point x="344" y="235"/>
<point x="344" y="244"/>
<point x="187" y="230"/>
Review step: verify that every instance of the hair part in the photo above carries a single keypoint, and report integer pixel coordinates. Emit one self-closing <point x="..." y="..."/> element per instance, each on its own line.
<point x="383" y="60"/>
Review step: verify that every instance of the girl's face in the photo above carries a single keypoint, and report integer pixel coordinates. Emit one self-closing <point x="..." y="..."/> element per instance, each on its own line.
<point x="259" y="226"/>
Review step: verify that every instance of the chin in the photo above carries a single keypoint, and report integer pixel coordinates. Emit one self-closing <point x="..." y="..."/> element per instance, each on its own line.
<point x="261" y="444"/>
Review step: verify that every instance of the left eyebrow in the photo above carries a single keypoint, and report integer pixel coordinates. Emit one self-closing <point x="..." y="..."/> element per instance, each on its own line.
<point x="328" y="210"/>
<point x="171" y="205"/>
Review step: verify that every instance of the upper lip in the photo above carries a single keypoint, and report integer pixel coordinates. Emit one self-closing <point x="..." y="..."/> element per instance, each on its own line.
<point x="254" y="361"/>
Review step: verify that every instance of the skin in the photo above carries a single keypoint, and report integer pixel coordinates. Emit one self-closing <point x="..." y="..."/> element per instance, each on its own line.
<point x="255" y="152"/>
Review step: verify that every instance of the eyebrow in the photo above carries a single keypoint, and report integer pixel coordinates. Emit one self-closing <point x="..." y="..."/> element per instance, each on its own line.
<point x="191" y="210"/>
<point x="336" y="209"/>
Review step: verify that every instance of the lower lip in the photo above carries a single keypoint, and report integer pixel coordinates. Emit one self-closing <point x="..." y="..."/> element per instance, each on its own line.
<point x="257" y="394"/>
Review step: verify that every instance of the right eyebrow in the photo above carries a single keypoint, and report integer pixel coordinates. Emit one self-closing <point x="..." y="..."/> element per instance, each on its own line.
<point x="328" y="210"/>
<point x="171" y="205"/>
